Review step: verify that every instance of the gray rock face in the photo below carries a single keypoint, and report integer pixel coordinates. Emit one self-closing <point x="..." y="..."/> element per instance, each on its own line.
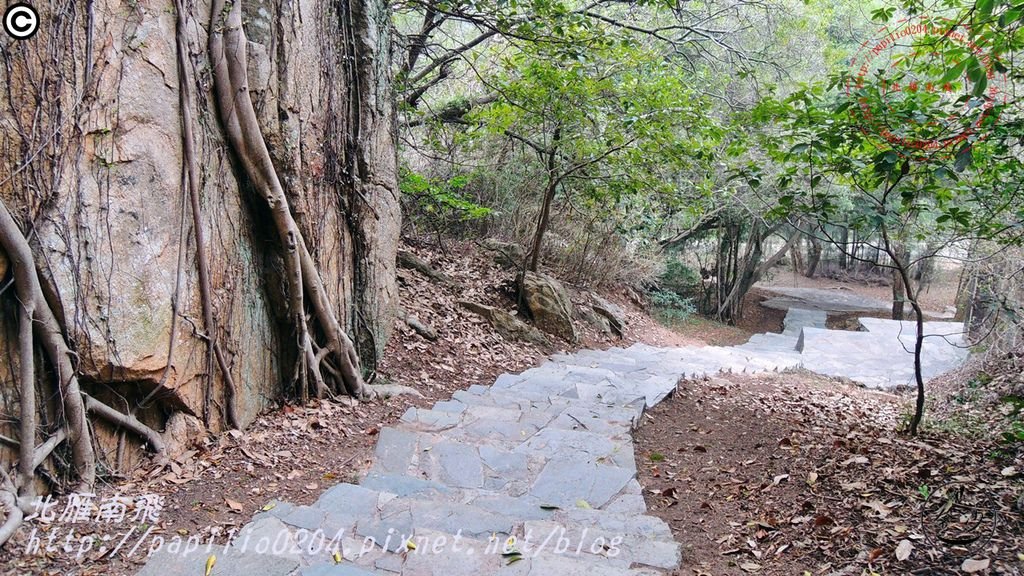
<point x="111" y="218"/>
<point x="506" y="254"/>
<point x="596" y="320"/>
<point x="549" y="305"/>
<point x="611" y="312"/>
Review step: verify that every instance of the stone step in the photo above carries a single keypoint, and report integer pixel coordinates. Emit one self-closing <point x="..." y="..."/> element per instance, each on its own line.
<point x="370" y="529"/>
<point x="530" y="399"/>
<point x="798" y="318"/>
<point x="607" y="393"/>
<point x="783" y="341"/>
<point x="570" y="416"/>
<point x="493" y="464"/>
<point x="560" y="483"/>
<point x="595" y="384"/>
<point x="641" y="539"/>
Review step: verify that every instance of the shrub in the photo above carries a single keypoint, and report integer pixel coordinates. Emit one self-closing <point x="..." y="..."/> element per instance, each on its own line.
<point x="671" y="307"/>
<point x="438" y="203"/>
<point x="680" y="278"/>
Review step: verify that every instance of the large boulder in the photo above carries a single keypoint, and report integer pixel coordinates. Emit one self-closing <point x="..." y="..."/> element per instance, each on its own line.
<point x="112" y="232"/>
<point x="612" y="313"/>
<point x="506" y="254"/>
<point x="506" y="324"/>
<point x="596" y="320"/>
<point x="549" y="305"/>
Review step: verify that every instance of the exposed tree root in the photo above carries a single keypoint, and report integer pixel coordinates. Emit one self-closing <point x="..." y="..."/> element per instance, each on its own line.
<point x="191" y="173"/>
<point x="153" y="439"/>
<point x="44" y="450"/>
<point x="27" y="377"/>
<point x="48" y="332"/>
<point x="15" y="516"/>
<point x="241" y="127"/>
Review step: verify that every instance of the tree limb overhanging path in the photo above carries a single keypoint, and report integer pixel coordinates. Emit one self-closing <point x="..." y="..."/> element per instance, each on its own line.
<point x="535" y="475"/>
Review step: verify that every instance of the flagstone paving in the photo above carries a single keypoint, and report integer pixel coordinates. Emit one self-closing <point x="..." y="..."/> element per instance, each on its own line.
<point x="544" y="457"/>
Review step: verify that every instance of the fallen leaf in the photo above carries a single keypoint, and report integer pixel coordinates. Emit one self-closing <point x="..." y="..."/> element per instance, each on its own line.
<point x="904" y="549"/>
<point x="823" y="520"/>
<point x="779" y="478"/>
<point x="750" y="567"/>
<point x="234" y="505"/>
<point x="971" y="565"/>
<point x="812" y="478"/>
<point x="879" y="507"/>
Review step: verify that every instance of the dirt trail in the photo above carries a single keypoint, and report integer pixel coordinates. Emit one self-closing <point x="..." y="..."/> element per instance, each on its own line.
<point x="782" y="473"/>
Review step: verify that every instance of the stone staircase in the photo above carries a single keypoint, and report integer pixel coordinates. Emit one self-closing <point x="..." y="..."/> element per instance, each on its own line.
<point x="534" y="475"/>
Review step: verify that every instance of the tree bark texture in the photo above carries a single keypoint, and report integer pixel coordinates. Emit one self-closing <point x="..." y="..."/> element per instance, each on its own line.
<point x="94" y="170"/>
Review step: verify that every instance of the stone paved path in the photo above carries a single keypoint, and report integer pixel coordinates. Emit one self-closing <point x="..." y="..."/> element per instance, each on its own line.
<point x="545" y="456"/>
<point x="833" y="300"/>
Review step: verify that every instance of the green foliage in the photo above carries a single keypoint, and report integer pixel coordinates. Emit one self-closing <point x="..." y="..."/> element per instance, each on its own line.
<point x="915" y="142"/>
<point x="608" y="119"/>
<point x="671" y="307"/>
<point x="1014" y="411"/>
<point x="1015" y="433"/>
<point x="679" y="278"/>
<point x="441" y="199"/>
<point x="925" y="491"/>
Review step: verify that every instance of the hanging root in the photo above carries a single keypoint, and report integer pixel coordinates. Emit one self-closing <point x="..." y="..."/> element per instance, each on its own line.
<point x="191" y="174"/>
<point x="241" y="127"/>
<point x="27" y="377"/>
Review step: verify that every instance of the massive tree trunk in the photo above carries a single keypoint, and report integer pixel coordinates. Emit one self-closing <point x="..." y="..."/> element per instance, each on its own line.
<point x="163" y="282"/>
